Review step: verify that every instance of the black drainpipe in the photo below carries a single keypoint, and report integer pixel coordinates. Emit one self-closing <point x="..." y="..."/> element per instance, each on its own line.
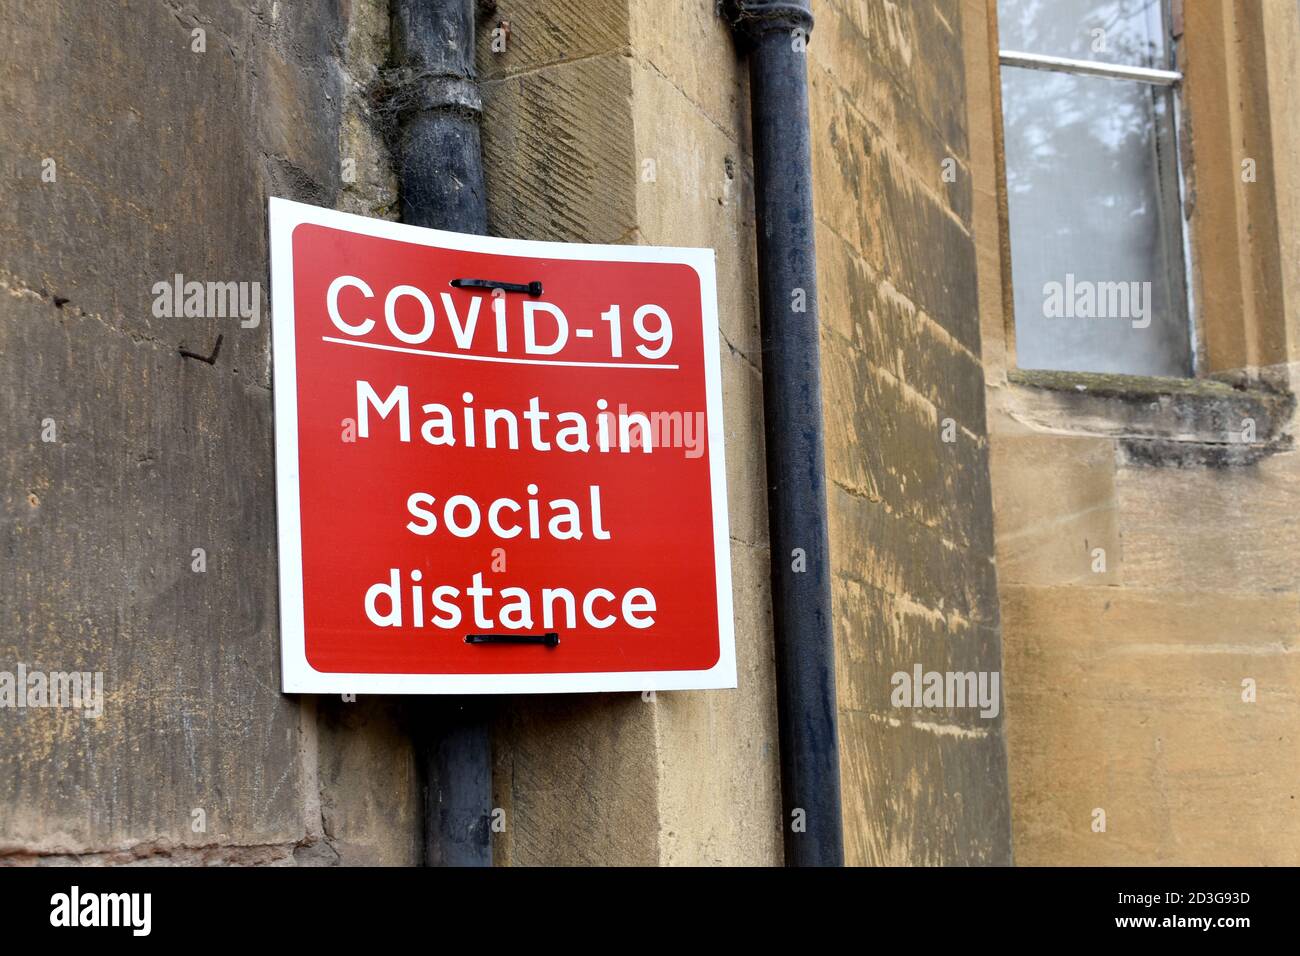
<point x="434" y="95"/>
<point x="775" y="35"/>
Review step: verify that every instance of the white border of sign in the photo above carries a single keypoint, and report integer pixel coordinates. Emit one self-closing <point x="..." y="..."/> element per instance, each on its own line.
<point x="298" y="676"/>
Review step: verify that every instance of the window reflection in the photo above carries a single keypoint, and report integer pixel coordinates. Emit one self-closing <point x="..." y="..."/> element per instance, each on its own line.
<point x="1089" y="161"/>
<point x="1092" y="186"/>
<point x="1130" y="32"/>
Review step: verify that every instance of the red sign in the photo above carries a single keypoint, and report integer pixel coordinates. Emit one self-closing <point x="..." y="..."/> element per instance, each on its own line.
<point x="499" y="463"/>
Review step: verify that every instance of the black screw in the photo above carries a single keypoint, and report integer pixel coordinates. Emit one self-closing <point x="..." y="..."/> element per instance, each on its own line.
<point x="549" y="639"/>
<point x="533" y="288"/>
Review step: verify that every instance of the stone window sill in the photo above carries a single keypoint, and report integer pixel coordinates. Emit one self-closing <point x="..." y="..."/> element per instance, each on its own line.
<point x="1159" y="421"/>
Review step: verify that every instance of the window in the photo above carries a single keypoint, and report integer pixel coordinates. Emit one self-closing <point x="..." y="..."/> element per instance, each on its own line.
<point x="1090" y="108"/>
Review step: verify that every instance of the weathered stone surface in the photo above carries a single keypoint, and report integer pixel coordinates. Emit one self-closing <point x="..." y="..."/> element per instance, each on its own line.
<point x="896" y="555"/>
<point x="922" y="794"/>
<point x="1245" y="535"/>
<point x="164" y="157"/>
<point x="1124" y="690"/>
<point x="871" y="199"/>
<point x="98" y="533"/>
<point x="890" y="108"/>
<point x="920" y="46"/>
<point x="578" y="778"/>
<point x="1127" y="697"/>
<point x="719" y="757"/>
<point x="1056" y="503"/>
<point x="719" y="767"/>
<point x="1130" y="701"/>
<point x="539" y="35"/>
<point x="669" y="41"/>
<point x="1136" y="409"/>
<point x="559" y="147"/>
<point x="910" y="513"/>
<point x="698" y="191"/>
<point x="886" y="634"/>
<point x="899" y="454"/>
<point x="868" y="312"/>
<point x="370" y="799"/>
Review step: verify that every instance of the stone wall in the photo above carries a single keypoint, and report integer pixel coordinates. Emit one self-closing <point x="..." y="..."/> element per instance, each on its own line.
<point x="1147" y="546"/>
<point x="620" y="122"/>
<point x="907" y="449"/>
<point x="162" y="145"/>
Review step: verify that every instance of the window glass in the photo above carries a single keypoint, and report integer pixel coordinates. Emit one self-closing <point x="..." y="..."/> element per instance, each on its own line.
<point x="1130" y="32"/>
<point x="1095" y="219"/>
